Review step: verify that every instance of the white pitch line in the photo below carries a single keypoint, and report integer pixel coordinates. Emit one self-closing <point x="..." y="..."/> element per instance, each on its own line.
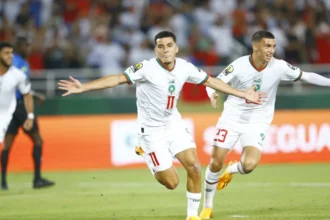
<point x="239" y="216"/>
<point x="234" y="185"/>
<point x="119" y="184"/>
<point x="315" y="185"/>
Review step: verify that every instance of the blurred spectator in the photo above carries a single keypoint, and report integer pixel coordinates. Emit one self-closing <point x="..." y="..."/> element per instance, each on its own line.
<point x="24" y="16"/>
<point x="141" y="52"/>
<point x="54" y="55"/>
<point x="223" y="39"/>
<point x="107" y="55"/>
<point x="208" y="31"/>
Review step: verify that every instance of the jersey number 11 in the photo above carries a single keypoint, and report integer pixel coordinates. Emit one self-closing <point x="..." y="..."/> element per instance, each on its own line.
<point x="170" y="102"/>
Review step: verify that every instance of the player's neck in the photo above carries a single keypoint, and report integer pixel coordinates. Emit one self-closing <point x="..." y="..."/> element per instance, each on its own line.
<point x="167" y="66"/>
<point x="257" y="63"/>
<point x="3" y="70"/>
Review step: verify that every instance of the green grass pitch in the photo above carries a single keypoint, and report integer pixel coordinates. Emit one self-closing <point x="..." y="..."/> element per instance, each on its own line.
<point x="270" y="192"/>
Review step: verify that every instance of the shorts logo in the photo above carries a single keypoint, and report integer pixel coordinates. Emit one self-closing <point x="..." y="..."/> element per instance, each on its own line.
<point x="229" y="69"/>
<point x="262" y="136"/>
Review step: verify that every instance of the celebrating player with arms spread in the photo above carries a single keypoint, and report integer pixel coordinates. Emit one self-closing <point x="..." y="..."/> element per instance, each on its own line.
<point x="245" y="121"/>
<point x="162" y="134"/>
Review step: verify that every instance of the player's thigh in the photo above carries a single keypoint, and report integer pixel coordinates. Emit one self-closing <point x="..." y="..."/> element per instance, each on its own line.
<point x="254" y="135"/>
<point x="34" y="133"/>
<point x="250" y="156"/>
<point x="188" y="158"/>
<point x="13" y="126"/>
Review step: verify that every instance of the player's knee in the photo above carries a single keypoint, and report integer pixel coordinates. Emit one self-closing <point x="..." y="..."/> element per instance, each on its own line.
<point x="171" y="184"/>
<point x="8" y="143"/>
<point x="249" y="165"/>
<point x="6" y="146"/>
<point x="215" y="165"/>
<point x="37" y="140"/>
<point x="195" y="169"/>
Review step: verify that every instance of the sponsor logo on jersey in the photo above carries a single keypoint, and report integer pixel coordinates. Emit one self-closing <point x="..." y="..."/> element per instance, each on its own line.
<point x="229" y="69"/>
<point x="136" y="67"/>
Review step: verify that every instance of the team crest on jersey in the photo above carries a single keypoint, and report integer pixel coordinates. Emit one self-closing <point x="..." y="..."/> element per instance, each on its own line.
<point x="229" y="69"/>
<point x="171" y="88"/>
<point x="257" y="82"/>
<point x="291" y="67"/>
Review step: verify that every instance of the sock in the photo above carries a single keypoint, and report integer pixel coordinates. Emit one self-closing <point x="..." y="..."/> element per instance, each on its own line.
<point x="211" y="182"/>
<point x="236" y="168"/>
<point x="37" y="161"/>
<point x="4" y="163"/>
<point x="193" y="203"/>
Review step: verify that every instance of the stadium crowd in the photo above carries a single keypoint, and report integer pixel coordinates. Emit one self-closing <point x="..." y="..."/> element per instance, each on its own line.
<point x="117" y="33"/>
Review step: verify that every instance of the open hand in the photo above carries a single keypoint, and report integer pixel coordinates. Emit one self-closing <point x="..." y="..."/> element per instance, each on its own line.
<point x="255" y="97"/>
<point x="72" y="87"/>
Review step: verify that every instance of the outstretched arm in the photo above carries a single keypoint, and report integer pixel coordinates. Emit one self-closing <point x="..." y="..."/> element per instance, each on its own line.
<point x="315" y="79"/>
<point x="74" y="86"/>
<point x="250" y="94"/>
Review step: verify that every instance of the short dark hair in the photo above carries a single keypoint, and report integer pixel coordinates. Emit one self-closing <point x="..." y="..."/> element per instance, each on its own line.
<point x="5" y="44"/>
<point x="163" y="34"/>
<point x="257" y="36"/>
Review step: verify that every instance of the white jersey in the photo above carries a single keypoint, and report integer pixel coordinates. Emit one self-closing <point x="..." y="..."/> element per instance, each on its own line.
<point x="12" y="79"/>
<point x="242" y="74"/>
<point x="158" y="89"/>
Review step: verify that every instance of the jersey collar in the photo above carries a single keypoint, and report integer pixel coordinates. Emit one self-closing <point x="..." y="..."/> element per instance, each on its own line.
<point x="254" y="66"/>
<point x="163" y="66"/>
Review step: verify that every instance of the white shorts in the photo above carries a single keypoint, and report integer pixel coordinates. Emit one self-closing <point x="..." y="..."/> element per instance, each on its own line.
<point x="4" y="123"/>
<point x="227" y="134"/>
<point x="162" y="146"/>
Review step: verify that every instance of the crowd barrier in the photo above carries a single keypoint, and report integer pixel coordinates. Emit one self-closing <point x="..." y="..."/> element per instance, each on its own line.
<point x="108" y="141"/>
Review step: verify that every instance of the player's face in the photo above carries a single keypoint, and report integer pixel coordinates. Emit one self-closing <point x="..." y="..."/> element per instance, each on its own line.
<point x="24" y="49"/>
<point x="6" y="57"/>
<point x="266" y="49"/>
<point x="166" y="49"/>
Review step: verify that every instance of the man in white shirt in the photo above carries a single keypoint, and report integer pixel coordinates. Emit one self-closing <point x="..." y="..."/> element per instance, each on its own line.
<point x="245" y="121"/>
<point x="162" y="133"/>
<point x="10" y="79"/>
